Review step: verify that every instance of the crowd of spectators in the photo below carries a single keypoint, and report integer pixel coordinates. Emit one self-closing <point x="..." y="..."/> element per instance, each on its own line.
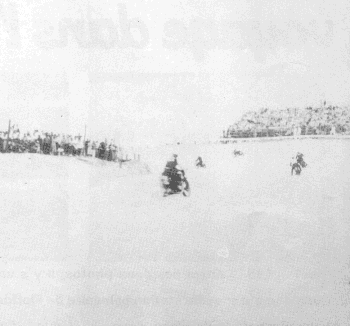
<point x="323" y="120"/>
<point x="58" y="144"/>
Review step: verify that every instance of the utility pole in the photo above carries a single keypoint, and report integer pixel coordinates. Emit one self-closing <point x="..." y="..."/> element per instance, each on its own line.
<point x="84" y="151"/>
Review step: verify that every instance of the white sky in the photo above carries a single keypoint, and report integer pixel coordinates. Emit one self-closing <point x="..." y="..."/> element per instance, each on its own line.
<point x="159" y="94"/>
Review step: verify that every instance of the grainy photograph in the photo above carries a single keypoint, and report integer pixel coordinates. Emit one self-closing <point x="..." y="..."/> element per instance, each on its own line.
<point x="174" y="163"/>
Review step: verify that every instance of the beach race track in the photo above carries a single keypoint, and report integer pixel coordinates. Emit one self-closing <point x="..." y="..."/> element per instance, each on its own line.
<point x="93" y="244"/>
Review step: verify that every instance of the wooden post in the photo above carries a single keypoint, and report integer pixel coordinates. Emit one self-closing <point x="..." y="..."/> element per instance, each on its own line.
<point x="84" y="152"/>
<point x="8" y="137"/>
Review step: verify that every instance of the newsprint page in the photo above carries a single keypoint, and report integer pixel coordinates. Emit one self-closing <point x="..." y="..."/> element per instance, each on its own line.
<point x="181" y="162"/>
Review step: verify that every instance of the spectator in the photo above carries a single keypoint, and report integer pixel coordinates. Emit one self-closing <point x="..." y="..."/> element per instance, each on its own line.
<point x="101" y="151"/>
<point x="93" y="149"/>
<point x="47" y="145"/>
<point x="333" y="130"/>
<point x="323" y="120"/>
<point x="40" y="140"/>
<point x="86" y="147"/>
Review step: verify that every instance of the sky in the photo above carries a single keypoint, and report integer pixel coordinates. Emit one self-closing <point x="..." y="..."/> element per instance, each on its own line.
<point x="150" y="72"/>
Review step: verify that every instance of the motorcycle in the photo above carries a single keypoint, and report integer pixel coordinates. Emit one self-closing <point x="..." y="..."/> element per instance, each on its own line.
<point x="198" y="165"/>
<point x="296" y="169"/>
<point x="175" y="185"/>
<point x="237" y="153"/>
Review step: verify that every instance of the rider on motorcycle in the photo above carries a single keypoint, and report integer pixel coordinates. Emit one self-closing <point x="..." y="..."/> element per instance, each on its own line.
<point x="199" y="162"/>
<point x="295" y="165"/>
<point x="173" y="172"/>
<point x="300" y="160"/>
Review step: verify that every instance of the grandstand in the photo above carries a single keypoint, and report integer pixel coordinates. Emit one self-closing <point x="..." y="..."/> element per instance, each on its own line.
<point x="323" y="120"/>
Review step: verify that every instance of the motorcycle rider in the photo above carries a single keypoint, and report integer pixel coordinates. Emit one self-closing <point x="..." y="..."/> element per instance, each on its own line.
<point x="199" y="162"/>
<point x="300" y="159"/>
<point x="295" y="165"/>
<point x="237" y="153"/>
<point x="173" y="172"/>
<point x="172" y="163"/>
